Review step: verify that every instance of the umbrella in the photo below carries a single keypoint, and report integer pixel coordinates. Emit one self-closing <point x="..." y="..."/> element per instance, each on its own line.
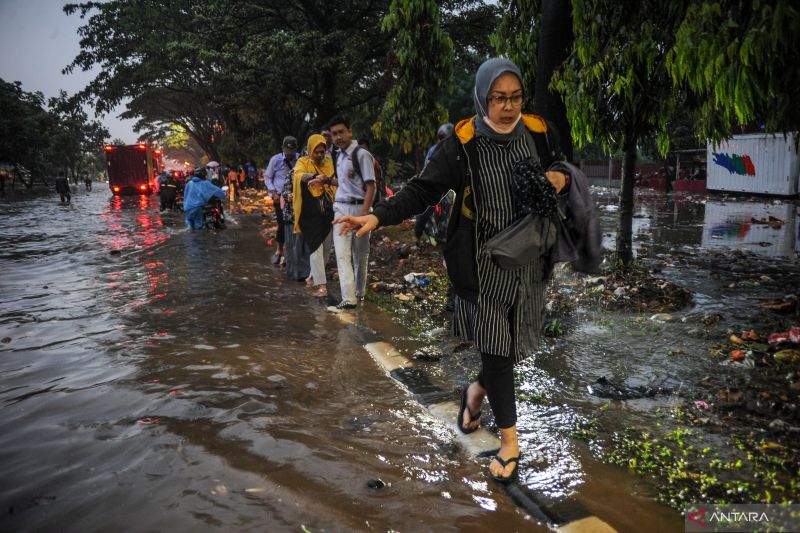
<point x="212" y="164"/>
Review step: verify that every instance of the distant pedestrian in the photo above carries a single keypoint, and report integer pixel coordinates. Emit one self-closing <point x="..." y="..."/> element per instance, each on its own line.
<point x="326" y="133"/>
<point x="241" y="177"/>
<point x="62" y="188"/>
<point x="355" y="172"/>
<point x="87" y="182"/>
<point x="276" y="175"/>
<point x="216" y="180"/>
<point x="296" y="257"/>
<point x="232" y="181"/>
<point x="314" y="190"/>
<point x="167" y="191"/>
<point x="250" y="170"/>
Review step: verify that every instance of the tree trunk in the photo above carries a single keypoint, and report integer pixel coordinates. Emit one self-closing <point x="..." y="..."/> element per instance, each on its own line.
<point x="625" y="223"/>
<point x="555" y="43"/>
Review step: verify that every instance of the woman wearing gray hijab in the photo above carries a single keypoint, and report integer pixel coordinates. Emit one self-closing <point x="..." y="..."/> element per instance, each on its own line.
<point x="501" y="311"/>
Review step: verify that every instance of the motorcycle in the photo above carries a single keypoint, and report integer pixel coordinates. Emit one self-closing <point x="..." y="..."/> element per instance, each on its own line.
<point x="213" y="215"/>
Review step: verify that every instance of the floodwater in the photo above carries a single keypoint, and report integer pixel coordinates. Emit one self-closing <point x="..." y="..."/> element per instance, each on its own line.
<point x="678" y="234"/>
<point x="153" y="378"/>
<point x="159" y="379"/>
<point x="555" y="402"/>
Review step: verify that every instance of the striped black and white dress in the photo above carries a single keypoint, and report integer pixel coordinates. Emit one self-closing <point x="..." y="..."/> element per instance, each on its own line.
<point x="508" y="318"/>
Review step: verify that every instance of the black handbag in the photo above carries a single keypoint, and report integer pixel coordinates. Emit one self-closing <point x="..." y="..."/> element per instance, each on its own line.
<point x="522" y="243"/>
<point x="532" y="236"/>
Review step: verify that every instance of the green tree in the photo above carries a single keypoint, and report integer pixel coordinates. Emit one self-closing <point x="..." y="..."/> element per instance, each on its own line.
<point x="74" y="139"/>
<point x="517" y="37"/>
<point x="616" y="85"/>
<point x="421" y="62"/>
<point x="24" y="122"/>
<point x="470" y="24"/>
<point x="240" y="67"/>
<point x="44" y="138"/>
<point x="739" y="61"/>
<point x="238" y="75"/>
<point x="180" y="146"/>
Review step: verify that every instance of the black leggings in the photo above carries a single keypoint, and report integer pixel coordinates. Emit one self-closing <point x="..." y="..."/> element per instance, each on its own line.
<point x="497" y="377"/>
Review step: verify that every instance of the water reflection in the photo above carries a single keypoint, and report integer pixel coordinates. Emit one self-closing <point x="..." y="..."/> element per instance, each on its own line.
<point x="662" y="222"/>
<point x="553" y="467"/>
<point x="767" y="229"/>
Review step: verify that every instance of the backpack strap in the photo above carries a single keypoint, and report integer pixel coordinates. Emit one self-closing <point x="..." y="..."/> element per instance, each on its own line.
<point x="353" y="158"/>
<point x="356" y="164"/>
<point x="335" y="158"/>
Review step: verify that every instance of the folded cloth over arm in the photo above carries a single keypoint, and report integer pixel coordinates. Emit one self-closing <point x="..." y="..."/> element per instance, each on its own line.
<point x="579" y="236"/>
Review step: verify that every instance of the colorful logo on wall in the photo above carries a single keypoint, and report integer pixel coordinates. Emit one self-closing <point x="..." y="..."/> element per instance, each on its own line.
<point x="735" y="163"/>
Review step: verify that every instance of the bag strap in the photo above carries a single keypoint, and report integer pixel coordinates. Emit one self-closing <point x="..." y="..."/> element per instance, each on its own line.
<point x="356" y="163"/>
<point x="539" y="143"/>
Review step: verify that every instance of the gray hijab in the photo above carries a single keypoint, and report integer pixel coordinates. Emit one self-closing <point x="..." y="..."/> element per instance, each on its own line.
<point x="487" y="74"/>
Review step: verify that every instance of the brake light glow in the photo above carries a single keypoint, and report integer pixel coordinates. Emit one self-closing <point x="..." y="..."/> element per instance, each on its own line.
<point x="142" y="147"/>
<point x="108" y="148"/>
<point x="116" y="189"/>
<point x="143" y="187"/>
<point x="158" y="151"/>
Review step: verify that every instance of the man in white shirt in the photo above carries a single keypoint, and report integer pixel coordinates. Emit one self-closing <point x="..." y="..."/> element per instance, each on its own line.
<point x="356" y="189"/>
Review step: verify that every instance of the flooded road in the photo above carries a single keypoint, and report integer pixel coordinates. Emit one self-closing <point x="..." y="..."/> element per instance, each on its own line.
<point x="154" y="379"/>
<point x="157" y="379"/>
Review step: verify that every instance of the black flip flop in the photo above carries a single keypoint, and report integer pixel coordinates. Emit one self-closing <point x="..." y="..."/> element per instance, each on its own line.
<point x="504" y="463"/>
<point x="472" y="418"/>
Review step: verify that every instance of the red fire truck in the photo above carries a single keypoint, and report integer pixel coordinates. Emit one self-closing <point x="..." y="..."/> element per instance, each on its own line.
<point x="132" y="168"/>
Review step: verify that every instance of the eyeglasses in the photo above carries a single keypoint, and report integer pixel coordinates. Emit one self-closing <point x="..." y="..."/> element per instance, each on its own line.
<point x="501" y="101"/>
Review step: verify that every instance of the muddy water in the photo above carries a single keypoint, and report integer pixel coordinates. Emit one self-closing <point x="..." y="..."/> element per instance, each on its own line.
<point x="557" y="411"/>
<point x="676" y="236"/>
<point x="158" y="379"/>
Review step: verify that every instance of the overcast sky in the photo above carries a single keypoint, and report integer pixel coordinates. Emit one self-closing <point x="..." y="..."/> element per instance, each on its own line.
<point x="37" y="40"/>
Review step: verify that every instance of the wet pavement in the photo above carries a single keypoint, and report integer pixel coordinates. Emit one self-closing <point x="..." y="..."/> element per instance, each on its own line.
<point x="157" y="379"/>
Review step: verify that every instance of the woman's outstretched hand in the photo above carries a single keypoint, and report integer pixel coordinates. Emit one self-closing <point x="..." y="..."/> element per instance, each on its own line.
<point x="364" y="224"/>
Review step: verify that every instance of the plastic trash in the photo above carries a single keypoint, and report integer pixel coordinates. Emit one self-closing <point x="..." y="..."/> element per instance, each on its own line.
<point x="416" y="278"/>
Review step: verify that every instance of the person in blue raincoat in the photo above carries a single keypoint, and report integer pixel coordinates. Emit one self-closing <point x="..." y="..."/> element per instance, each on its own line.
<point x="196" y="194"/>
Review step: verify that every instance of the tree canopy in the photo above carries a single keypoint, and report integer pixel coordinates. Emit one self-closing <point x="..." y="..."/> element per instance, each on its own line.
<point x="422" y="52"/>
<point x="45" y="136"/>
<point x="238" y="75"/>
<point x="739" y="61"/>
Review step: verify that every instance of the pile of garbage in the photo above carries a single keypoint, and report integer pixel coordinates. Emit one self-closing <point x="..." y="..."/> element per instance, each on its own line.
<point x="748" y="349"/>
<point x="252" y="201"/>
<point x="631" y="288"/>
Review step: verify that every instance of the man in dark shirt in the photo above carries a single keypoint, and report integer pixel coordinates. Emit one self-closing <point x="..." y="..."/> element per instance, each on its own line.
<point x="62" y="188"/>
<point x="167" y="191"/>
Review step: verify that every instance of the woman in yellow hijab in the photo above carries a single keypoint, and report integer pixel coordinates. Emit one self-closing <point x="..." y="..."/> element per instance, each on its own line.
<point x="314" y="189"/>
